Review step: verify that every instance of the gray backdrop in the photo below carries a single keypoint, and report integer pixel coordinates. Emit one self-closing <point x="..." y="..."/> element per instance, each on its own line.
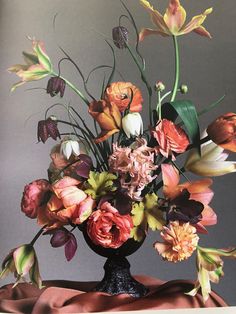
<point x="208" y="67"/>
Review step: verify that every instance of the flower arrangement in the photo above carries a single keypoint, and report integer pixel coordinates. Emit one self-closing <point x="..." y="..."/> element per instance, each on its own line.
<point x="120" y="179"/>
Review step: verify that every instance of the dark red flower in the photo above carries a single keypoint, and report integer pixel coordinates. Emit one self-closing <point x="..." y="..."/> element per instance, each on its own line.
<point x="47" y="128"/>
<point x="56" y="85"/>
<point x="120" y="36"/>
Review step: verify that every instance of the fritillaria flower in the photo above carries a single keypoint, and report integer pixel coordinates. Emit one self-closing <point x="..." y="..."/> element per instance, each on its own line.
<point x="108" y="228"/>
<point x="180" y="241"/>
<point x="47" y="128"/>
<point x="124" y="94"/>
<point x="195" y="194"/>
<point x="55" y="86"/>
<point x="120" y="36"/>
<point x="210" y="268"/>
<point x="212" y="161"/>
<point x="132" y="124"/>
<point x="222" y="131"/>
<point x="38" y="65"/>
<point x="22" y="261"/>
<point x="35" y="195"/>
<point x="171" y="138"/>
<point x="70" y="147"/>
<point x="173" y="21"/>
<point x="107" y="116"/>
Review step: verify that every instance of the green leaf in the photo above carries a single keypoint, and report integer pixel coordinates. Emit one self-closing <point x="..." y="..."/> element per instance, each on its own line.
<point x="188" y="114"/>
<point x="138" y="213"/>
<point x="137" y="234"/>
<point x="99" y="184"/>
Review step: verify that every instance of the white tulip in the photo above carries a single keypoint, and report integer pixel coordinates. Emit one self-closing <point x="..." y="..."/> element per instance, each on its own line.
<point x="70" y="147"/>
<point x="132" y="124"/>
<point x="212" y="161"/>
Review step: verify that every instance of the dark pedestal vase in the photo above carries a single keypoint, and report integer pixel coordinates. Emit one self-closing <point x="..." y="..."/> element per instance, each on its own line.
<point x="117" y="278"/>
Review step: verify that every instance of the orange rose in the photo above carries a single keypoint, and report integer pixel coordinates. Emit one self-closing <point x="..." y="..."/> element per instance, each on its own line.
<point x="120" y="94"/>
<point x="222" y="131"/>
<point x="107" y="116"/>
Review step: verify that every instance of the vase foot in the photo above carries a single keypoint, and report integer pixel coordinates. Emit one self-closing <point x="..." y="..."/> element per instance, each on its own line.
<point x="118" y="279"/>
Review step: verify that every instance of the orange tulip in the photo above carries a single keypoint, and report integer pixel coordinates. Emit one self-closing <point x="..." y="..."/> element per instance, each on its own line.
<point x="107" y="116"/>
<point x="222" y="131"/>
<point x="122" y="93"/>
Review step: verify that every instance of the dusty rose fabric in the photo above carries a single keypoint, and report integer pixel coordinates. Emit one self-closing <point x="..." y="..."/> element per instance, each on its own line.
<point x="75" y="297"/>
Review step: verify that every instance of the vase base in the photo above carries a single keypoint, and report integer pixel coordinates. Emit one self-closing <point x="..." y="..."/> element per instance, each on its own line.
<point x="118" y="279"/>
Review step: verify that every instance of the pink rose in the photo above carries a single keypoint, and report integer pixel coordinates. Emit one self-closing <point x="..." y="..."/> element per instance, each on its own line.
<point x="106" y="227"/>
<point x="34" y="197"/>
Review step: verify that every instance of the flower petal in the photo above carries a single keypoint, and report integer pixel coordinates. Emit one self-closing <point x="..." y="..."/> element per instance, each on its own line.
<point x="148" y="31"/>
<point x="195" y="23"/>
<point x="202" y="32"/>
<point x="175" y="16"/>
<point x="70" y="247"/>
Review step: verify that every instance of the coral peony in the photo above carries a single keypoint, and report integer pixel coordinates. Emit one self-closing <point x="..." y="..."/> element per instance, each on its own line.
<point x="180" y="241"/>
<point x="170" y="138"/>
<point x="222" y="131"/>
<point x="34" y="196"/>
<point x="122" y="93"/>
<point x="106" y="227"/>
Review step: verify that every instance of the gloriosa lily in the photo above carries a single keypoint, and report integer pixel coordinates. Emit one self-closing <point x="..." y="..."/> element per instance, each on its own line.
<point x="210" y="269"/>
<point x="22" y="261"/>
<point x="212" y="161"/>
<point x="38" y="65"/>
<point x="172" y="22"/>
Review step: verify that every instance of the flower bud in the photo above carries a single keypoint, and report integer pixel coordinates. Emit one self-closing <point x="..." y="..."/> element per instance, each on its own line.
<point x="56" y="85"/>
<point x="160" y="87"/>
<point x="183" y="89"/>
<point x="120" y="36"/>
<point x="22" y="261"/>
<point x="222" y="131"/>
<point x="132" y="124"/>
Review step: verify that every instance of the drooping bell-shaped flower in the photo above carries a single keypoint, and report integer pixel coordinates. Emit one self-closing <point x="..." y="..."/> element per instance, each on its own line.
<point x="56" y="85"/>
<point x="120" y="36"/>
<point x="47" y="128"/>
<point x="132" y="124"/>
<point x="70" y="147"/>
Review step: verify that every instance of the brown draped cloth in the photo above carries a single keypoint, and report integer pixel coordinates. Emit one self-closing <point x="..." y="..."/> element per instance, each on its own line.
<point x="60" y="296"/>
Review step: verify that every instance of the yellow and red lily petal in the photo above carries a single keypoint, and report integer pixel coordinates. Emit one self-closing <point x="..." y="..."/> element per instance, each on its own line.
<point x="175" y="17"/>
<point x="43" y="58"/>
<point x="148" y="31"/>
<point x="156" y="17"/>
<point x="202" y="32"/>
<point x="196" y="23"/>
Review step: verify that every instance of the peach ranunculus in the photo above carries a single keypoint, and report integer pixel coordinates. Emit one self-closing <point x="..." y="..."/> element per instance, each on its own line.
<point x="199" y="191"/>
<point x="122" y="93"/>
<point x="172" y="22"/>
<point x="34" y="196"/>
<point x="107" y="116"/>
<point x="180" y="241"/>
<point x="171" y="138"/>
<point x="108" y="228"/>
<point x="222" y="131"/>
<point x="68" y="204"/>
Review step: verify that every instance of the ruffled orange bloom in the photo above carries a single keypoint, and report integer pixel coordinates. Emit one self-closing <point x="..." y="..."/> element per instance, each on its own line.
<point x="122" y="93"/>
<point x="171" y="138"/>
<point x="180" y="241"/>
<point x="222" y="131"/>
<point x="199" y="191"/>
<point x="107" y="116"/>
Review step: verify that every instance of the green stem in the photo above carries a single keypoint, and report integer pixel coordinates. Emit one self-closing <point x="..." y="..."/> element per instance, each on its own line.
<point x="177" y="68"/>
<point x="37" y="235"/>
<point x="158" y="108"/>
<point x="74" y="89"/>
